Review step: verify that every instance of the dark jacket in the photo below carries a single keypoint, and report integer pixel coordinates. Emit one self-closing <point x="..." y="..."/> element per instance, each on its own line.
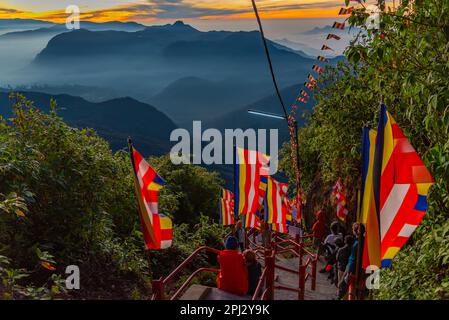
<point x="254" y="273"/>
<point x="343" y="256"/>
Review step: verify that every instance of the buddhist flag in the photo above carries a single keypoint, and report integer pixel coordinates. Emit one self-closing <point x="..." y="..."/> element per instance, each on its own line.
<point x="251" y="220"/>
<point x="401" y="183"/>
<point x="156" y="227"/>
<point x="323" y="59"/>
<point x="368" y="214"/>
<point x="289" y="211"/>
<point x="249" y="167"/>
<point x="338" y="25"/>
<point x="227" y="208"/>
<point x="338" y="192"/>
<point x="276" y="227"/>
<point x="324" y="47"/>
<point x="311" y="79"/>
<point x="308" y="85"/>
<point x="275" y="209"/>
<point x="344" y="11"/>
<point x="332" y="36"/>
<point x="302" y="99"/>
<point x="318" y="69"/>
<point x="303" y="93"/>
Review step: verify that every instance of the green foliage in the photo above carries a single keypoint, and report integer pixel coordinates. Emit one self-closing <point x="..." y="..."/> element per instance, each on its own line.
<point x="405" y="64"/>
<point x="66" y="199"/>
<point x="190" y="192"/>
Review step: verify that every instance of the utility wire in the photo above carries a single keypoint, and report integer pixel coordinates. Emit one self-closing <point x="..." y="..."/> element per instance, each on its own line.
<point x="267" y="52"/>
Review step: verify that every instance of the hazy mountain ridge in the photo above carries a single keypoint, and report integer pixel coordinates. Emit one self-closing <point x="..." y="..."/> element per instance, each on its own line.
<point x="149" y="63"/>
<point x="114" y="119"/>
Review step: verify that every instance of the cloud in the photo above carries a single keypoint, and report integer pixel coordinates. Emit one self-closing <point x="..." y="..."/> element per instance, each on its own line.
<point x="185" y="9"/>
<point x="9" y="11"/>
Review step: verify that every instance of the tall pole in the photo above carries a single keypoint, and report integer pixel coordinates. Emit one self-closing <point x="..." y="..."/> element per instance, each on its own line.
<point x="292" y="124"/>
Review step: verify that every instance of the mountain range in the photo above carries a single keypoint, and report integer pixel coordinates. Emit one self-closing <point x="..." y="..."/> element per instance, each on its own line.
<point x="115" y="120"/>
<point x="185" y="73"/>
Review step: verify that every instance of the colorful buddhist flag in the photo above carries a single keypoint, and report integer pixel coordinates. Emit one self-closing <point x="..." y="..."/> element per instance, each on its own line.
<point x="251" y="220"/>
<point x="249" y="167"/>
<point x="275" y="209"/>
<point x="156" y="227"/>
<point x="302" y="99"/>
<point x="289" y="211"/>
<point x="332" y="36"/>
<point x="311" y="79"/>
<point x="338" y="192"/>
<point x="324" y="47"/>
<point x="344" y="11"/>
<point x="227" y="208"/>
<point x="368" y="214"/>
<point x="338" y="25"/>
<point x="308" y="85"/>
<point x="318" y="69"/>
<point x="401" y="184"/>
<point x="280" y="228"/>
<point x="323" y="59"/>
<point x="303" y="93"/>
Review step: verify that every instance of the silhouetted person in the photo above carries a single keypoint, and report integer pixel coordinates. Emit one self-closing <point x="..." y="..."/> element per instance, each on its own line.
<point x="254" y="270"/>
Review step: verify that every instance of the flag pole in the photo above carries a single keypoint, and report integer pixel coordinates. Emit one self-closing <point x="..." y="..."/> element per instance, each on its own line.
<point x="235" y="186"/>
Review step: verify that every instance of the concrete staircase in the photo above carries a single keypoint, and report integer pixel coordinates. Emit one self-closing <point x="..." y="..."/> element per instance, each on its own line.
<point x="198" y="292"/>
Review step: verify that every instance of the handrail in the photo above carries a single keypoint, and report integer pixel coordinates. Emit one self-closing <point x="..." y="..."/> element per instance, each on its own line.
<point x="189" y="279"/>
<point x="159" y="285"/>
<point x="297" y="248"/>
<point x="260" y="283"/>
<point x="187" y="260"/>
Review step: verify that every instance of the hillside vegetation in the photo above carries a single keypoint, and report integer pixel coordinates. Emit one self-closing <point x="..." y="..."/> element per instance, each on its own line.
<point x="66" y="199"/>
<point x="406" y="65"/>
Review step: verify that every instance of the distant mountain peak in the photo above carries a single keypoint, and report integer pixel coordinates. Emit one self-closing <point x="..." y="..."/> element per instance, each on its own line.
<point x="179" y="23"/>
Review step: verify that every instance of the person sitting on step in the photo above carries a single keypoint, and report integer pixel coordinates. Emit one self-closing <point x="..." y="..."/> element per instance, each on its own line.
<point x="233" y="276"/>
<point x="254" y="270"/>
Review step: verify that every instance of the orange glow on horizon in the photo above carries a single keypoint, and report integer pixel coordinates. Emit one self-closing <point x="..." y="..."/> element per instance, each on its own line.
<point x="123" y="14"/>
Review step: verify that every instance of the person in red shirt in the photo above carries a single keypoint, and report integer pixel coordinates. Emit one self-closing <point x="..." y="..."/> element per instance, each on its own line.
<point x="318" y="229"/>
<point x="233" y="276"/>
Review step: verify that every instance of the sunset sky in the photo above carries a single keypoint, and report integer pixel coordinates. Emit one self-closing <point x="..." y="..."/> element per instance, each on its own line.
<point x="153" y="11"/>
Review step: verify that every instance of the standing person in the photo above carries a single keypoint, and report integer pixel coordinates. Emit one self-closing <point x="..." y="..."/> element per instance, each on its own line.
<point x="352" y="260"/>
<point x="342" y="261"/>
<point x="233" y="276"/>
<point x="265" y="231"/>
<point x="318" y="230"/>
<point x="240" y="235"/>
<point x="254" y="269"/>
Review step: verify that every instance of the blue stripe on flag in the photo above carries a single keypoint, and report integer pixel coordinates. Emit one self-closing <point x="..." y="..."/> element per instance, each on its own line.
<point x="421" y="204"/>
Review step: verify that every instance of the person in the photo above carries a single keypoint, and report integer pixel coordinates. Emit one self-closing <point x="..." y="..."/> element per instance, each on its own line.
<point x="233" y="275"/>
<point x="254" y="269"/>
<point x="357" y="229"/>
<point x="342" y="260"/>
<point x="240" y="235"/>
<point x="334" y="235"/>
<point x="265" y="232"/>
<point x="330" y="247"/>
<point x="318" y="230"/>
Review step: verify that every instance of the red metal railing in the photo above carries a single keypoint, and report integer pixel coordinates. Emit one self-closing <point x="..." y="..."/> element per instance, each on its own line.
<point x="265" y="287"/>
<point x="160" y="285"/>
<point x="306" y="270"/>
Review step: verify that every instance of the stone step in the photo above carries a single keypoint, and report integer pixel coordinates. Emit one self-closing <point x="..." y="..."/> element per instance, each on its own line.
<point x="199" y="292"/>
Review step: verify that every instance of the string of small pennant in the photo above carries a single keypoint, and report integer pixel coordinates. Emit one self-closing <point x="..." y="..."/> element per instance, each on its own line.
<point x="311" y="82"/>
